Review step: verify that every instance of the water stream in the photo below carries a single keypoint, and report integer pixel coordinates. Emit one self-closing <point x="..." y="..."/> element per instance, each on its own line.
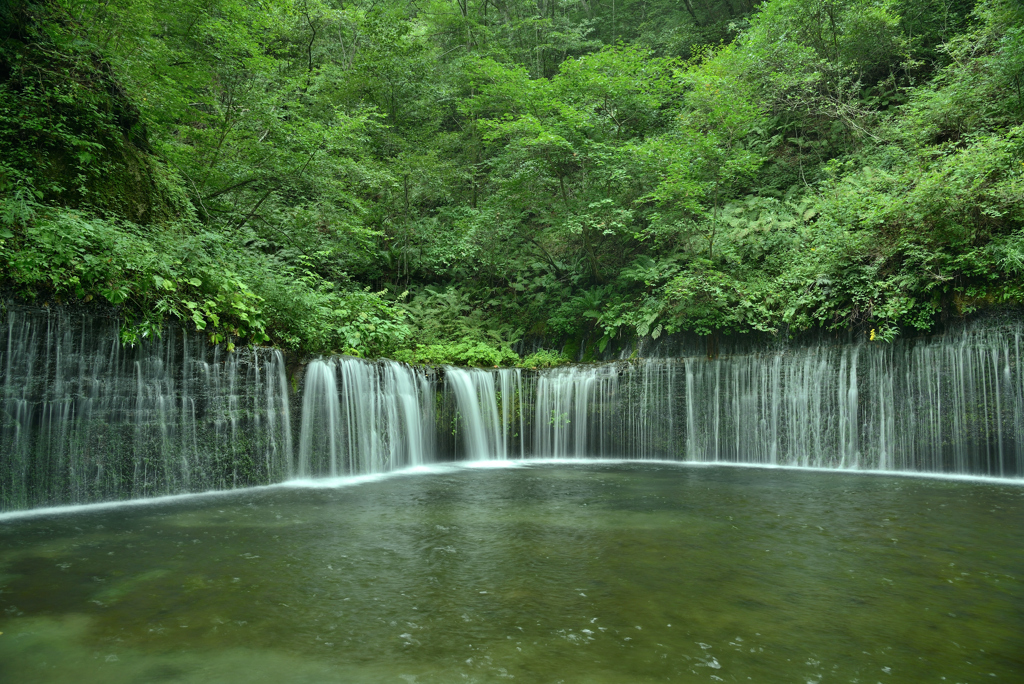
<point x="952" y="404"/>
<point x="360" y="417"/>
<point x="86" y="418"/>
<point x="490" y="414"/>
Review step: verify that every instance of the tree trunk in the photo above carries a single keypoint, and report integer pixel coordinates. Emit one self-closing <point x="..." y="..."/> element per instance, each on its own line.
<point x="689" y="8"/>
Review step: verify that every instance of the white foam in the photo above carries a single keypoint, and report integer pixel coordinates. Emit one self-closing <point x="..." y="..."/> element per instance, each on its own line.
<point x="494" y="464"/>
<point x="455" y="466"/>
<point x="106" y="505"/>
<point x="297" y="483"/>
<point x="353" y="480"/>
<point x="985" y="479"/>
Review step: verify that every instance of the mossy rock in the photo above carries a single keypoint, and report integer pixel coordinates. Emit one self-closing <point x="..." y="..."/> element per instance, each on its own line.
<point x="69" y="132"/>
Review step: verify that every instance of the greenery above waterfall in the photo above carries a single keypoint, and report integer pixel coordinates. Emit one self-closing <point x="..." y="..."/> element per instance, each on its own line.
<point x="436" y="181"/>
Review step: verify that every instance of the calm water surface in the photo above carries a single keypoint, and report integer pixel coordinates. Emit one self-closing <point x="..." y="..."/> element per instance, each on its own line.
<point x="596" y="573"/>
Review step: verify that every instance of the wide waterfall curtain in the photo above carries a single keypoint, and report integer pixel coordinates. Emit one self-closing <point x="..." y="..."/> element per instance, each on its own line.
<point x="86" y="418"/>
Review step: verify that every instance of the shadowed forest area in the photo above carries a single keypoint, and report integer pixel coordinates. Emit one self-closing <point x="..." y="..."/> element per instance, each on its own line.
<point x="439" y="181"/>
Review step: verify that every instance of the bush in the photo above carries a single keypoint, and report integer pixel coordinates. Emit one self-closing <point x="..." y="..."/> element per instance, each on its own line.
<point x="545" y="358"/>
<point x="479" y="354"/>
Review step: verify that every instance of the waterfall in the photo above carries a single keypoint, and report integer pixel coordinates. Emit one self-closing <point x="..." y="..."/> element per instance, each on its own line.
<point x="320" y="437"/>
<point x="572" y="411"/>
<point x="86" y="418"/>
<point x="488" y="402"/>
<point x="952" y="403"/>
<point x="364" y="417"/>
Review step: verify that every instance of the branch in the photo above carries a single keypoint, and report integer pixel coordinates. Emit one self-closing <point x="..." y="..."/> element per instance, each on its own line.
<point x="233" y="186"/>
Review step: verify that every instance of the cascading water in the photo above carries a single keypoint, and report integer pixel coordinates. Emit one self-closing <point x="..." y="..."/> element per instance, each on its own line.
<point x="950" y="404"/>
<point x="488" y="404"/>
<point x="571" y="411"/>
<point x="86" y="418"/>
<point x="363" y="417"/>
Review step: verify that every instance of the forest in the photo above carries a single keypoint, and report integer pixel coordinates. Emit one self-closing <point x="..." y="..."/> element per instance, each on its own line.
<point x="468" y="182"/>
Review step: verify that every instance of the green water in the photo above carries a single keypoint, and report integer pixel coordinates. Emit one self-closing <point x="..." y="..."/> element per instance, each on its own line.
<point x="609" y="573"/>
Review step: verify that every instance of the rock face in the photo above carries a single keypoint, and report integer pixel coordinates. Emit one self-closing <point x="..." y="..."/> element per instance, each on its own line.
<point x="71" y="134"/>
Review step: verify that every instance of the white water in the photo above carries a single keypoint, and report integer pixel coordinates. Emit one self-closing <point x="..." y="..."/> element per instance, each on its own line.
<point x="572" y="409"/>
<point x="87" y="419"/>
<point x="452" y="467"/>
<point x="363" y="417"/>
<point x="951" y="404"/>
<point x="490" y="417"/>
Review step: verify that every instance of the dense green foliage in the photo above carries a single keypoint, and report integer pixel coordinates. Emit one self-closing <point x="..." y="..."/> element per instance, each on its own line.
<point x="437" y="181"/>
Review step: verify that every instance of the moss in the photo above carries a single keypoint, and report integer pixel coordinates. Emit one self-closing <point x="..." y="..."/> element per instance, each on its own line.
<point x="70" y="133"/>
<point x="545" y="358"/>
<point x="571" y="350"/>
<point x="590" y="352"/>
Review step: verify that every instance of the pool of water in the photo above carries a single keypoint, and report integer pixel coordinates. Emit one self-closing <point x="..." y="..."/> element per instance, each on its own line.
<point x="596" y="573"/>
